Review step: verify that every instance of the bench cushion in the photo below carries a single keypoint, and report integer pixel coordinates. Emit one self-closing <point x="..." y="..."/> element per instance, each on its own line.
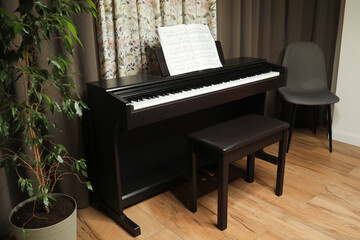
<point x="239" y="132"/>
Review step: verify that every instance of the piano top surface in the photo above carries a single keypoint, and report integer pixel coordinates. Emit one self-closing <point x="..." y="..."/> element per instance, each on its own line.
<point x="143" y="79"/>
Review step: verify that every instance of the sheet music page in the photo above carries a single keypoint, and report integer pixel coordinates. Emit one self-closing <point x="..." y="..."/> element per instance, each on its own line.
<point x="204" y="46"/>
<point x="178" y="52"/>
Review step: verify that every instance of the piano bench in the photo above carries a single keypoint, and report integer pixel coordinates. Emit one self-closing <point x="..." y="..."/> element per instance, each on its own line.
<point x="230" y="141"/>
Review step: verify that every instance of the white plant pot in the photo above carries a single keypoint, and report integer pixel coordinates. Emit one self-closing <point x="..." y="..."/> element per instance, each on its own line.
<point x="64" y="230"/>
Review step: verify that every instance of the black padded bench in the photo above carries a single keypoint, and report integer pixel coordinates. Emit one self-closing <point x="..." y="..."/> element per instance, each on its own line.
<point x="230" y="141"/>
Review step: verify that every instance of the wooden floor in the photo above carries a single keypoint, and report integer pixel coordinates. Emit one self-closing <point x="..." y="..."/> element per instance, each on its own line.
<point x="321" y="200"/>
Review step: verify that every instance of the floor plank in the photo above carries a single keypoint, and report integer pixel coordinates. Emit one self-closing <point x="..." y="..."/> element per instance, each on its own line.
<point x="269" y="236"/>
<point x="165" y="235"/>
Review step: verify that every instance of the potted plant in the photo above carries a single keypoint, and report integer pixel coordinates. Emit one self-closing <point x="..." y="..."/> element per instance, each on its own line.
<point x="25" y="126"/>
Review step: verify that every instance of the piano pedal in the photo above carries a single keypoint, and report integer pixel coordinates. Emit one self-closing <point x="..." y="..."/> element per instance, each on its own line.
<point x="202" y="175"/>
<point x="208" y="172"/>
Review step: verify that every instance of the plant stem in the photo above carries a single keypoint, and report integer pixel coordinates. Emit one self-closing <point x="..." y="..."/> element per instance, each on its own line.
<point x="27" y="84"/>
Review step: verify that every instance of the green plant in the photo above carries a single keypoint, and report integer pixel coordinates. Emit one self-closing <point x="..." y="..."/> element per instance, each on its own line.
<point x="24" y="120"/>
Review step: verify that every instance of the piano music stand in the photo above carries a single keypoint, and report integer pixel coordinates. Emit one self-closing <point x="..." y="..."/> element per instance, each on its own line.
<point x="162" y="63"/>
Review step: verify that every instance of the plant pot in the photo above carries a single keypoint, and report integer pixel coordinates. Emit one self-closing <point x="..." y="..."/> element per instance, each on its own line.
<point x="64" y="230"/>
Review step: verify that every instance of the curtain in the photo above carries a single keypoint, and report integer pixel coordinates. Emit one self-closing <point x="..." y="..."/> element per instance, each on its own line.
<point x="86" y="63"/>
<point x="263" y="28"/>
<point x="127" y="36"/>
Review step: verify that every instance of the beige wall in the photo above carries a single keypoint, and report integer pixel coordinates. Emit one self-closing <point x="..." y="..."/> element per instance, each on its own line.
<point x="346" y="120"/>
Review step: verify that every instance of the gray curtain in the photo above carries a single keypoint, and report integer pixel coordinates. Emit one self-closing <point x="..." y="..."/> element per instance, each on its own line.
<point x="263" y="28"/>
<point x="86" y="63"/>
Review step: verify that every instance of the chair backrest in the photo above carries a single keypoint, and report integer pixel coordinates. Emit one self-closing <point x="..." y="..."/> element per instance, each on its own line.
<point x="306" y="66"/>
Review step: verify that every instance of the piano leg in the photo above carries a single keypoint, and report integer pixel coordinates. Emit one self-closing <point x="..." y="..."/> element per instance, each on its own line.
<point x="122" y="220"/>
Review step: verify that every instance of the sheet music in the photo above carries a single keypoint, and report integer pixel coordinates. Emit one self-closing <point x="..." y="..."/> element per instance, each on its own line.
<point x="188" y="48"/>
<point x="178" y="52"/>
<point x="204" y="46"/>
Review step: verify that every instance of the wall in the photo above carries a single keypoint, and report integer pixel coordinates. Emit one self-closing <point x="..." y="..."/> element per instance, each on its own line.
<point x="346" y="120"/>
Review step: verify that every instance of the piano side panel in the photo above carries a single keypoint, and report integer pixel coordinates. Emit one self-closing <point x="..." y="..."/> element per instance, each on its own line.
<point x="103" y="122"/>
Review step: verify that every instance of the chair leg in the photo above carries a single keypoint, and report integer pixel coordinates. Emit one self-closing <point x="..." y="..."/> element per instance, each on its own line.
<point x="193" y="183"/>
<point x="291" y="126"/>
<point x="282" y="113"/>
<point x="329" y="127"/>
<point x="250" y="168"/>
<point x="316" y="118"/>
<point x="223" y="176"/>
<point x="281" y="165"/>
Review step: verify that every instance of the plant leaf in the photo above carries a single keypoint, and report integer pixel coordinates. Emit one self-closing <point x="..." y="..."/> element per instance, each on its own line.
<point x="18" y="27"/>
<point x="59" y="159"/>
<point x="73" y="31"/>
<point x="55" y="63"/>
<point x="47" y="97"/>
<point x="25" y="233"/>
<point x="29" y="189"/>
<point x="88" y="185"/>
<point x="78" y="110"/>
<point x="83" y="164"/>
<point x="84" y="173"/>
<point x="52" y="198"/>
<point x="22" y="184"/>
<point x="92" y="4"/>
<point x="46" y="200"/>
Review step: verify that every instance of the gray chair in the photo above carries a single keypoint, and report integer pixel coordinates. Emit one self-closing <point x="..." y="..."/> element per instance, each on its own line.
<point x="306" y="82"/>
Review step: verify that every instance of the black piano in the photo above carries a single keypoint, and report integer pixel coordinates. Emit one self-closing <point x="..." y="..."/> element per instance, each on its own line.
<point x="140" y="125"/>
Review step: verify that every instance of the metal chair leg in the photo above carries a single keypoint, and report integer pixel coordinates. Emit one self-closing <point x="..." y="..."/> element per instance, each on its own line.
<point x="329" y="127"/>
<point x="282" y="113"/>
<point x="291" y="126"/>
<point x="316" y="118"/>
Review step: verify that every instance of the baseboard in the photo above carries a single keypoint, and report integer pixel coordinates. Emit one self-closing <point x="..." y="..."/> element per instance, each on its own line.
<point x="346" y="138"/>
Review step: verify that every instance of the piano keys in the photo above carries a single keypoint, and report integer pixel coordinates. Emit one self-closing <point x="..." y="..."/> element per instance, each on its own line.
<point x="140" y="125"/>
<point x="187" y="91"/>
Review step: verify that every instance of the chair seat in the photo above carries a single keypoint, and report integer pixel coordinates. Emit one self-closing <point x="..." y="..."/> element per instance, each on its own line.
<point x="311" y="97"/>
<point x="239" y="132"/>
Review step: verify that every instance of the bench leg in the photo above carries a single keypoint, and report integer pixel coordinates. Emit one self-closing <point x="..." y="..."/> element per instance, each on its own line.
<point x="193" y="183"/>
<point x="250" y="165"/>
<point x="223" y="175"/>
<point x="281" y="165"/>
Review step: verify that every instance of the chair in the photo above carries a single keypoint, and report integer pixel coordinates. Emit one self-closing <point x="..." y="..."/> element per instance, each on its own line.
<point x="306" y="82"/>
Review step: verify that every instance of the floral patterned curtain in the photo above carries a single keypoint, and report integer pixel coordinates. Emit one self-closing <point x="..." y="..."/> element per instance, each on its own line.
<point x="127" y="30"/>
